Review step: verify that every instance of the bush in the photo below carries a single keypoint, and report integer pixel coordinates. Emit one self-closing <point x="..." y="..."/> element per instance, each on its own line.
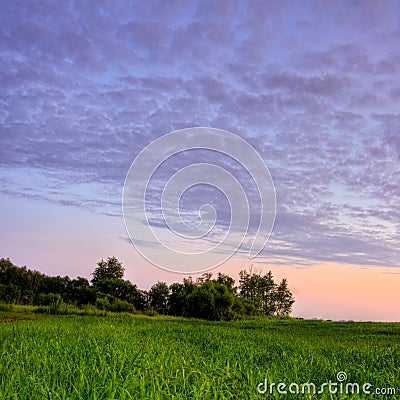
<point x="102" y="303"/>
<point x="113" y="304"/>
<point x="121" y="306"/>
<point x="6" y="306"/>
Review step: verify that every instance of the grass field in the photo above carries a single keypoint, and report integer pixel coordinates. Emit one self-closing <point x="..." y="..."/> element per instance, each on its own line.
<point x="137" y="357"/>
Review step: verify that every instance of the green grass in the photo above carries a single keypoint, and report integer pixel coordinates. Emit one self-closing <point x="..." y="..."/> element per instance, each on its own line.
<point x="10" y="312"/>
<point x="138" y="357"/>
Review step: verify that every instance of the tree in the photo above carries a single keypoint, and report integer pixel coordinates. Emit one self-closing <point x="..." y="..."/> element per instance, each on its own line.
<point x="228" y="281"/>
<point x="283" y="299"/>
<point x="136" y="297"/>
<point x="205" y="277"/>
<point x="158" y="297"/>
<point x="8" y="293"/>
<point x="55" y="284"/>
<point x="207" y="298"/>
<point x="250" y="284"/>
<point x="265" y="294"/>
<point x="267" y="289"/>
<point x="177" y="301"/>
<point x="200" y="303"/>
<point x="17" y="279"/>
<point x="110" y="269"/>
<point x="223" y="301"/>
<point x="211" y="300"/>
<point x="79" y="292"/>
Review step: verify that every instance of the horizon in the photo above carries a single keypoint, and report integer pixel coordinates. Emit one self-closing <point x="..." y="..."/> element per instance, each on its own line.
<point x="327" y="311"/>
<point x="313" y="88"/>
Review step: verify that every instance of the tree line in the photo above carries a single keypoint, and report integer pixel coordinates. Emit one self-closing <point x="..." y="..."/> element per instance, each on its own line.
<point x="207" y="297"/>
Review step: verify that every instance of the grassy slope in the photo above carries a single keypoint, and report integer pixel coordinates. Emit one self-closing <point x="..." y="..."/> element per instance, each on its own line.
<point x="16" y="313"/>
<point x="136" y="357"/>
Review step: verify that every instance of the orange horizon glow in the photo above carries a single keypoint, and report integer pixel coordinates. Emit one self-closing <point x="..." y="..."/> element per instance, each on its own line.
<point x="328" y="290"/>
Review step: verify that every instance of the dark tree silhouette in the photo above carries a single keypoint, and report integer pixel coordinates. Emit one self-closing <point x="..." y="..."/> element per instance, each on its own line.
<point x="110" y="269"/>
<point x="208" y="298"/>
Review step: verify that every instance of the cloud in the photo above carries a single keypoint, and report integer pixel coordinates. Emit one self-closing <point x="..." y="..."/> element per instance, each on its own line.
<point x="85" y="89"/>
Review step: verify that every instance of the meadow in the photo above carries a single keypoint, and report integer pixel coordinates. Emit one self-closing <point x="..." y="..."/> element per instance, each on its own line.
<point x="139" y="357"/>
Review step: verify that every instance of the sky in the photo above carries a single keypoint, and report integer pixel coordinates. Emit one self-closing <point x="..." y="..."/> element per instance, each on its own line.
<point x="313" y="86"/>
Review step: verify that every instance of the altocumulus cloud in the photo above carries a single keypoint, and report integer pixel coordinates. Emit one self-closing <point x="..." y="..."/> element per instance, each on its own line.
<point x="314" y="87"/>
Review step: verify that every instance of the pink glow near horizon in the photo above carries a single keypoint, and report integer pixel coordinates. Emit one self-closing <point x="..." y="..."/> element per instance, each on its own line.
<point x="334" y="291"/>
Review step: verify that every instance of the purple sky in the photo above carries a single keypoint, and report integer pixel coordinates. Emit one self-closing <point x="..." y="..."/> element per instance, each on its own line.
<point x="313" y="86"/>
